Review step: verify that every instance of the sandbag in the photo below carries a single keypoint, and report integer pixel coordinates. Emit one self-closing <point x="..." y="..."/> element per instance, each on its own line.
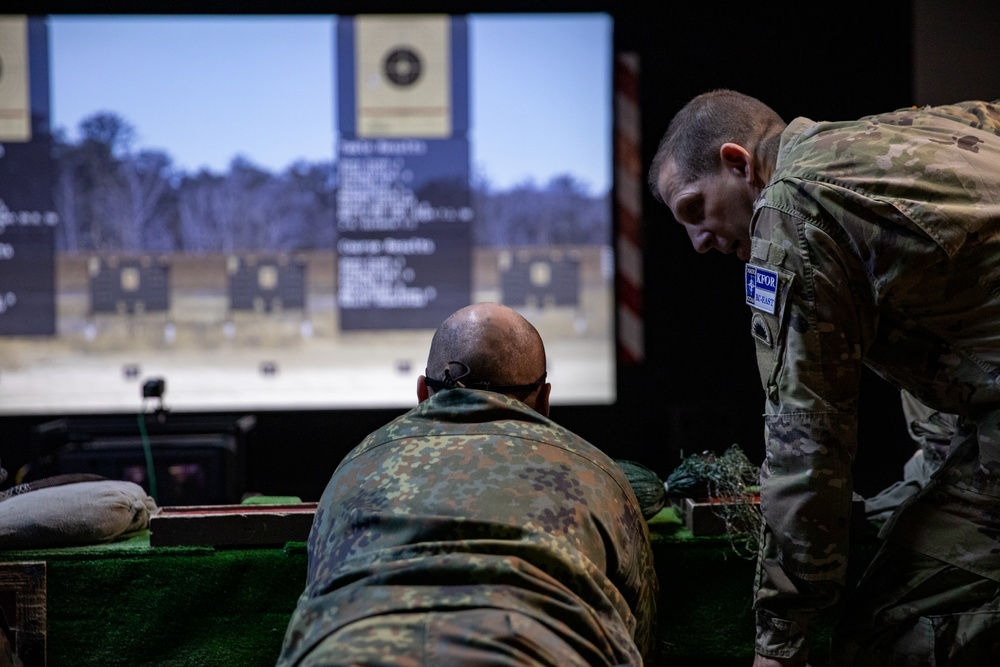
<point x="77" y="514"/>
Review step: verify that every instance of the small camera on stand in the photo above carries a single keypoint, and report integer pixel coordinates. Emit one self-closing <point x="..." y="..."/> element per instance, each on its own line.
<point x="155" y="388"/>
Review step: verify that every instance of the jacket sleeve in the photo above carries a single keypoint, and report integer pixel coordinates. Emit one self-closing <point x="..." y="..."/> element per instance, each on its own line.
<point x="809" y="356"/>
<point x="642" y="589"/>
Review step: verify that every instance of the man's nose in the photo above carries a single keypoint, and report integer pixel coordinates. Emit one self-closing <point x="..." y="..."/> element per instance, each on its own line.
<point x="700" y="239"/>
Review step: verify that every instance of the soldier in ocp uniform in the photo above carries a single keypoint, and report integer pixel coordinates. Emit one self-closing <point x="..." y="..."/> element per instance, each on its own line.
<point x="873" y="241"/>
<point x="473" y="530"/>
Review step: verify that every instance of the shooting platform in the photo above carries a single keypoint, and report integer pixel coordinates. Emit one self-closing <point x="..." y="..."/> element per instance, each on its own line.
<point x="223" y="593"/>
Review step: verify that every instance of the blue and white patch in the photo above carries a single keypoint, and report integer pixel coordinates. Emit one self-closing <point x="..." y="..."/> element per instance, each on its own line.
<point x="762" y="288"/>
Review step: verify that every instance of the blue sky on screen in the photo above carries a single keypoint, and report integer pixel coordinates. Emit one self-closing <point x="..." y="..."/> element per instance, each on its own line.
<point x="209" y="88"/>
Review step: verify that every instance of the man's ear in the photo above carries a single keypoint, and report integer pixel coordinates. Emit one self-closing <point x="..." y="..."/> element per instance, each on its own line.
<point x="737" y="158"/>
<point x="423" y="391"/>
<point x="542" y="399"/>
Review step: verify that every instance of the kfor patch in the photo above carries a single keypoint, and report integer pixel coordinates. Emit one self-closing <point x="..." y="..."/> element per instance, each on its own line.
<point x="762" y="288"/>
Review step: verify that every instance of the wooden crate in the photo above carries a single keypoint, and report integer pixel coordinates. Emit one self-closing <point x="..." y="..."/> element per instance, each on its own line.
<point x="701" y="516"/>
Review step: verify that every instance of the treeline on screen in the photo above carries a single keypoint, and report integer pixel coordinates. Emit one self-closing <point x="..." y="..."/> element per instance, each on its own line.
<point x="111" y="198"/>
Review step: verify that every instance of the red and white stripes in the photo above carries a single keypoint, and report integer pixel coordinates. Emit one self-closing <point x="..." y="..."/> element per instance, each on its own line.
<point x="628" y="203"/>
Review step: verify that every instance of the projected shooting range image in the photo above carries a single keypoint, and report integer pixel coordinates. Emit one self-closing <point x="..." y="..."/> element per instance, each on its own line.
<point x="266" y="241"/>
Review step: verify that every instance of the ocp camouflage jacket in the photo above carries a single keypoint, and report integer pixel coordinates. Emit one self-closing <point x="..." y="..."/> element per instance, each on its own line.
<point x="882" y="237"/>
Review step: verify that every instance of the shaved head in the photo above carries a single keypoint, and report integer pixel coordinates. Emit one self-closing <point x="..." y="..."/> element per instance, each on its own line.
<point x="497" y="344"/>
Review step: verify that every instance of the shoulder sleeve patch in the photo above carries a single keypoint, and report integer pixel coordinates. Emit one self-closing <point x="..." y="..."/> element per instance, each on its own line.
<point x="761" y="288"/>
<point x="760" y="330"/>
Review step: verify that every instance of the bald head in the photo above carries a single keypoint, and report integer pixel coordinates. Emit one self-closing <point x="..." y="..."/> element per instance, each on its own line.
<point x="495" y="342"/>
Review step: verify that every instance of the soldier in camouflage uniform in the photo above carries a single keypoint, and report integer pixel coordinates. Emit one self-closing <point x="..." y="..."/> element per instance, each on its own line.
<point x="473" y="530"/>
<point x="872" y="242"/>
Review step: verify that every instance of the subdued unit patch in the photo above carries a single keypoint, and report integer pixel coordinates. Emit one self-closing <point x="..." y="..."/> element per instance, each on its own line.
<point x="760" y="330"/>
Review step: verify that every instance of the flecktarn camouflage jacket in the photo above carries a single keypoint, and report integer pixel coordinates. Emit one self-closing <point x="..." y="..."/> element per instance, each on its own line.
<point x="471" y="500"/>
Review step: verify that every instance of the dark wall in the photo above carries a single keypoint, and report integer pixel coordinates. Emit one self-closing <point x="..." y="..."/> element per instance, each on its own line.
<point x="698" y="388"/>
<point x="953" y="56"/>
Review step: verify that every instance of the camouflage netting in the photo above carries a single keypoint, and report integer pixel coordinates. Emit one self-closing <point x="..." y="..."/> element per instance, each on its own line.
<point x="729" y="479"/>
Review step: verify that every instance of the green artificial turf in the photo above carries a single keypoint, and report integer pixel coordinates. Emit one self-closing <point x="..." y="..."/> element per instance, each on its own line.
<point x="131" y="604"/>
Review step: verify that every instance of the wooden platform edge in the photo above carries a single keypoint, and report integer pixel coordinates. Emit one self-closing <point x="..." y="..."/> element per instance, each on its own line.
<point x="231" y="525"/>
